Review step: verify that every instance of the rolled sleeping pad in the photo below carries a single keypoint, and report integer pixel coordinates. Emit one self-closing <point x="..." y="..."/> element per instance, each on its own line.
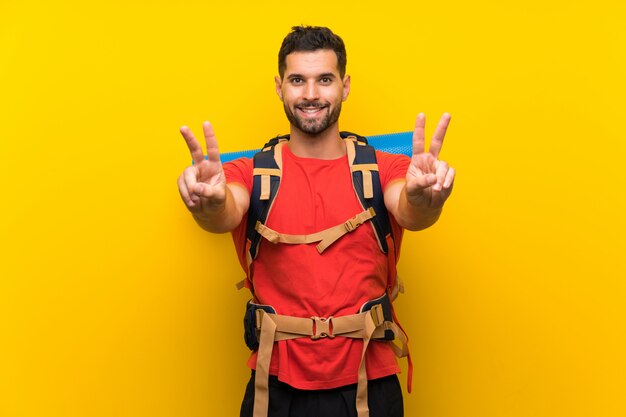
<point x="398" y="143"/>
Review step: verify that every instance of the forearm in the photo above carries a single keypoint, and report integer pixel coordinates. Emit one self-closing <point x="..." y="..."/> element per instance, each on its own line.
<point x="220" y="218"/>
<point x="413" y="216"/>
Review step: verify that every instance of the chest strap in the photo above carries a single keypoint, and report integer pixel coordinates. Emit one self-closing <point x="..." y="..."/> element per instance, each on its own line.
<point x="325" y="237"/>
<point x="366" y="325"/>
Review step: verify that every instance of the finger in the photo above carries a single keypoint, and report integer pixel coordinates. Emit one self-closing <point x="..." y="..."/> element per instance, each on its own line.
<point x="449" y="181"/>
<point x="440" y="132"/>
<point x="419" y="183"/>
<point x="441" y="170"/>
<point x="214" y="195"/>
<point x="212" y="151"/>
<point x="192" y="144"/>
<point x="190" y="176"/>
<point x="418" y="134"/>
<point x="184" y="192"/>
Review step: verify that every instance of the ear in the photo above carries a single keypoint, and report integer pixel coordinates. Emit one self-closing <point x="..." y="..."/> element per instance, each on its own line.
<point x="346" y="87"/>
<point x="279" y="85"/>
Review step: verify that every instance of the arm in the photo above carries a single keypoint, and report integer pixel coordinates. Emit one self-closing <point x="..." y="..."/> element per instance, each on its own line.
<point x="215" y="206"/>
<point x="417" y="202"/>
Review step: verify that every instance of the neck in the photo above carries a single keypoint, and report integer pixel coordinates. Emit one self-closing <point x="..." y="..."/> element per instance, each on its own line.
<point x="325" y="145"/>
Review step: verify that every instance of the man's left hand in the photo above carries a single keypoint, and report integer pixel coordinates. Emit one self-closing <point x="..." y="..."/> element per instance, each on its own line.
<point x="429" y="180"/>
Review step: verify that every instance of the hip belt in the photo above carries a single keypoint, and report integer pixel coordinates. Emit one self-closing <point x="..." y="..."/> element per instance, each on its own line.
<point x="263" y="327"/>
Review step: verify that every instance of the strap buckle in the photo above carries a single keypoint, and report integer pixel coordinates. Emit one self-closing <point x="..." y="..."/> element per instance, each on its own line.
<point x="359" y="219"/>
<point x="353" y="223"/>
<point x="377" y="314"/>
<point x="322" y="327"/>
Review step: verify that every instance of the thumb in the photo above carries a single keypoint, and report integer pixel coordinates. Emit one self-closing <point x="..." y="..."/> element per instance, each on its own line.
<point x="420" y="182"/>
<point x="213" y="193"/>
<point x="200" y="189"/>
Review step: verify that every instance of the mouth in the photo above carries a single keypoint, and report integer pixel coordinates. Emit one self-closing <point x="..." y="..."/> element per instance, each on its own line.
<point x="311" y="111"/>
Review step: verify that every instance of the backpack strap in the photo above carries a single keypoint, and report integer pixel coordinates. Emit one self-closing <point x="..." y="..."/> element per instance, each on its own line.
<point x="325" y="238"/>
<point x="373" y="322"/>
<point x="368" y="188"/>
<point x="367" y="185"/>
<point x="266" y="181"/>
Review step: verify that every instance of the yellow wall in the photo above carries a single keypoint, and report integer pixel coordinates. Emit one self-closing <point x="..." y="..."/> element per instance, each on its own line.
<point x="112" y="301"/>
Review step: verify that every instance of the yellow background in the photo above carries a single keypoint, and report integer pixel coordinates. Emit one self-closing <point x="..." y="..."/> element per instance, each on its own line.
<point x="112" y="301"/>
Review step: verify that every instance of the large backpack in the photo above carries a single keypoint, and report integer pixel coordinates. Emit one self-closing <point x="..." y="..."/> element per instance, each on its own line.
<point x="263" y="325"/>
<point x="366" y="182"/>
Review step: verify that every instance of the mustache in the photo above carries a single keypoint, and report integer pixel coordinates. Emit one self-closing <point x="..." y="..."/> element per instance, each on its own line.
<point x="311" y="104"/>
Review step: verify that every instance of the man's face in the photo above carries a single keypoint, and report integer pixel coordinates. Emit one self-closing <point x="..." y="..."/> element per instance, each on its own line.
<point x="312" y="90"/>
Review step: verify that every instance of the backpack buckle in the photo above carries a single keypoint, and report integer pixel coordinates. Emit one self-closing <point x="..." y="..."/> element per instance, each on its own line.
<point x="321" y="328"/>
<point x="351" y="224"/>
<point x="377" y="314"/>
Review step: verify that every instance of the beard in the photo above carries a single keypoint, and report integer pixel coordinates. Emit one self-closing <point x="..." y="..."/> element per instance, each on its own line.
<point x="317" y="125"/>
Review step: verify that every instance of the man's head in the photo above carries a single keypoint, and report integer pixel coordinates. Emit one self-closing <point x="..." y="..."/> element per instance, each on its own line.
<point x="312" y="82"/>
<point x="312" y="38"/>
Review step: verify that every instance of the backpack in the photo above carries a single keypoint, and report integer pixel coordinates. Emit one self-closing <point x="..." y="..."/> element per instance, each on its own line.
<point x="267" y="173"/>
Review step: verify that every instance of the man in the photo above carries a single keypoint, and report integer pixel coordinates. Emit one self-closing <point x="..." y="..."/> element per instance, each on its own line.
<point x="312" y="376"/>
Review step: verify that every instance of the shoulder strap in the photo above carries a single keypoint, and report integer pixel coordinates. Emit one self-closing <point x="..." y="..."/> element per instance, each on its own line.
<point x="272" y="142"/>
<point x="367" y="185"/>
<point x="266" y="181"/>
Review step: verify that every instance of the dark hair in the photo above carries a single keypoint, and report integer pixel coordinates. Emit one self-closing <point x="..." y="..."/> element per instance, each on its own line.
<point x="312" y="38"/>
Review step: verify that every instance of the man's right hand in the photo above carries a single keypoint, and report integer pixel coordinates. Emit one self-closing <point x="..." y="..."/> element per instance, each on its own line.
<point x="202" y="186"/>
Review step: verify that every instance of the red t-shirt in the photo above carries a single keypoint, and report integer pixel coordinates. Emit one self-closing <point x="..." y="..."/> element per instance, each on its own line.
<point x="298" y="281"/>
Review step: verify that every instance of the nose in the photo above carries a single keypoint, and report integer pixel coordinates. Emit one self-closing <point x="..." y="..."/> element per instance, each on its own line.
<point x="310" y="91"/>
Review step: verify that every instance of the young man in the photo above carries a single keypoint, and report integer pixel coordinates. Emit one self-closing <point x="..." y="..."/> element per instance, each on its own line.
<point x="318" y="375"/>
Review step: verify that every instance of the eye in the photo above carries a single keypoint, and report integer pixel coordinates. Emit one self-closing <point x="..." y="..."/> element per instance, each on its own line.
<point x="296" y="80"/>
<point x="326" y="80"/>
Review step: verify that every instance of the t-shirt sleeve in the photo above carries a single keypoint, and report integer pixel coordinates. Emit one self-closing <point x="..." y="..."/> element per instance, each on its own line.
<point x="391" y="167"/>
<point x="239" y="171"/>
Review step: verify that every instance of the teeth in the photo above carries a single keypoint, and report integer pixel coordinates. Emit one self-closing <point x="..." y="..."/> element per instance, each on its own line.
<point x="310" y="110"/>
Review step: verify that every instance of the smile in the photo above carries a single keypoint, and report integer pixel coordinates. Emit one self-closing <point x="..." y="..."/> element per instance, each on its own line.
<point x="310" y="111"/>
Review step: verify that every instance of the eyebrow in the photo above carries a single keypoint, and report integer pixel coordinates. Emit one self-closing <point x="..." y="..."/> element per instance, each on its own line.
<point x="324" y="75"/>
